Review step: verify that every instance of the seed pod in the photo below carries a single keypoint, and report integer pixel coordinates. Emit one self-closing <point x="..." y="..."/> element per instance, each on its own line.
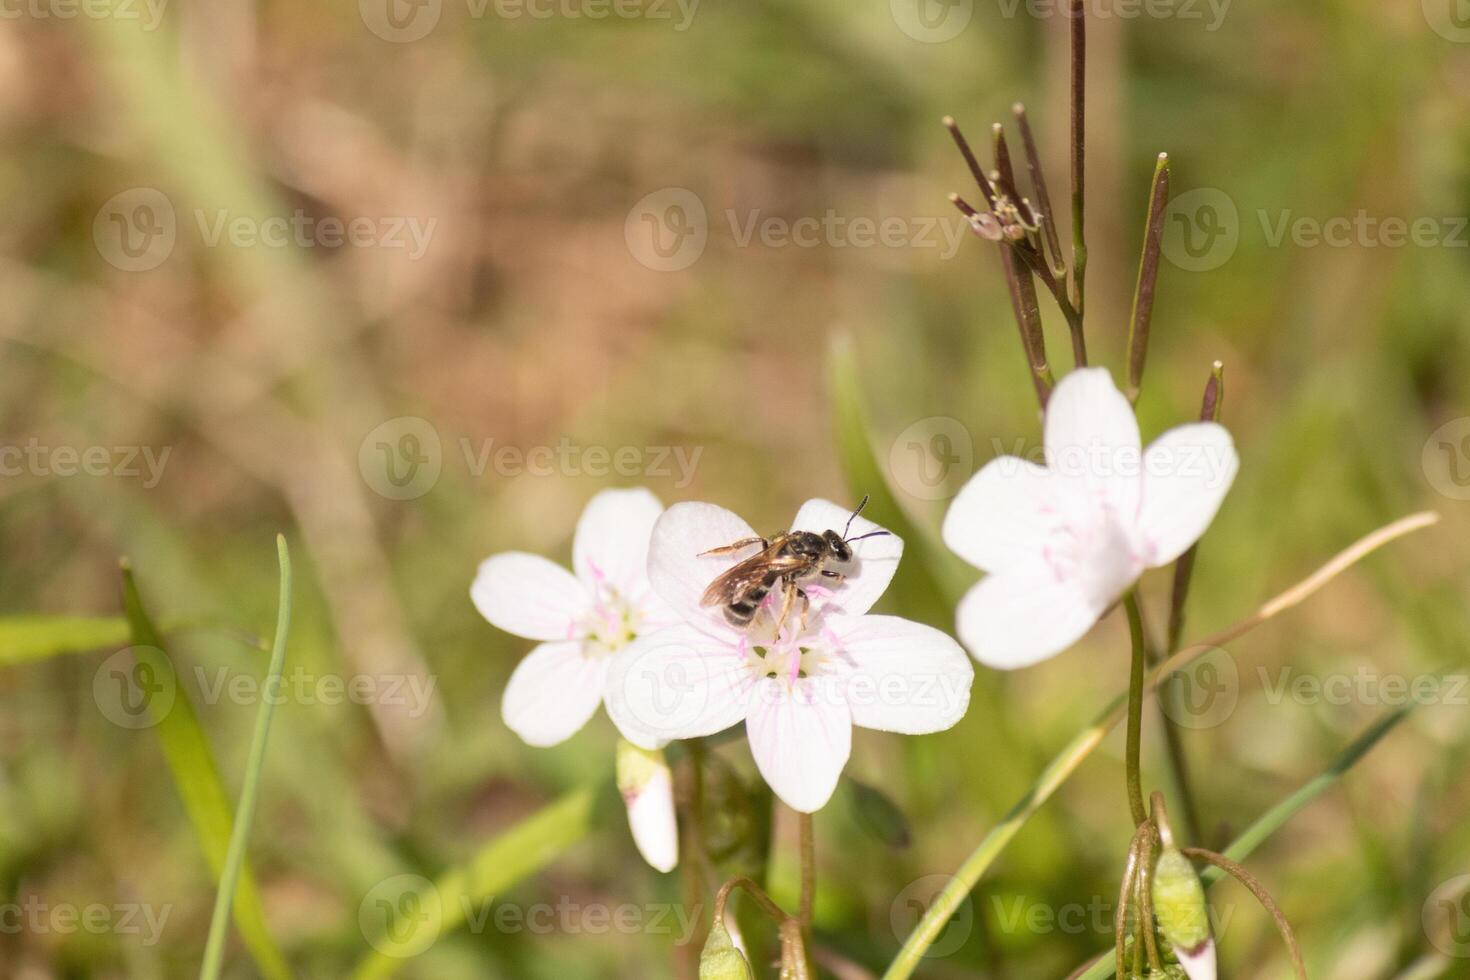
<point x="720" y="960"/>
<point x="1182" y="916"/>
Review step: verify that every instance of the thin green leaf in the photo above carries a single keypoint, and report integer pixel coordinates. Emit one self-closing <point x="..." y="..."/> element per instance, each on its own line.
<point x="949" y="899"/>
<point x="197" y="779"/>
<point x="1273" y="819"/>
<point x="214" y="949"/>
<point x="441" y="905"/>
<point x="27" y="638"/>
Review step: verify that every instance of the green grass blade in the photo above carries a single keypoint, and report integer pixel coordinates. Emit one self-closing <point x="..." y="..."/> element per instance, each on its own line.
<point x="214" y="949"/>
<point x="1273" y="819"/>
<point x="522" y="850"/>
<point x="949" y="899"/>
<point x="27" y="638"/>
<point x="197" y="779"/>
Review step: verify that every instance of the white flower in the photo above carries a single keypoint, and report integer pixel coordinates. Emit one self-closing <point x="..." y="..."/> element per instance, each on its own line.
<point x="647" y="787"/>
<point x="581" y="619"/>
<point x="800" y="692"/>
<point x="1062" y="543"/>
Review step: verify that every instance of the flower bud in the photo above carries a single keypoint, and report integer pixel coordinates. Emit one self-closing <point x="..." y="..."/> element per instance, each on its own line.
<point x="1182" y="916"/>
<point x="647" y="787"/>
<point x="720" y="959"/>
<point x="986" y="227"/>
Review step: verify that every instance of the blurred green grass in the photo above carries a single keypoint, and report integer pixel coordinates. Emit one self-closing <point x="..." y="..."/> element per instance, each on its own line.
<point x="528" y="320"/>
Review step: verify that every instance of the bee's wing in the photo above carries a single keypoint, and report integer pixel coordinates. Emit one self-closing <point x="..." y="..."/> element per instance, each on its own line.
<point x="746" y="575"/>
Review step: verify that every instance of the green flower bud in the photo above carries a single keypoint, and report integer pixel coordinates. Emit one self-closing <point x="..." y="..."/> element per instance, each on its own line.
<point x="1179" y="901"/>
<point x="1181" y="914"/>
<point x="720" y="959"/>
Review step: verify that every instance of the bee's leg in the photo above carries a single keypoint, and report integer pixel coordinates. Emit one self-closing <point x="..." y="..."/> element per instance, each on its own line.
<point x="788" y="594"/>
<point x="830" y="581"/>
<point x="736" y="546"/>
<point x="806" y="605"/>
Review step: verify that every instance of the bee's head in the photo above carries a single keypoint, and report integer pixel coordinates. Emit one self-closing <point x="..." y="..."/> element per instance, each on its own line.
<point x="838" y="546"/>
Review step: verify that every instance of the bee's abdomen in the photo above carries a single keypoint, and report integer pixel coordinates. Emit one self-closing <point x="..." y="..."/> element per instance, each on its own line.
<point x="741" y="611"/>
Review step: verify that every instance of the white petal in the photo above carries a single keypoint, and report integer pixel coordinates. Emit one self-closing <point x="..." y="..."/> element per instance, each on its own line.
<point x="1199" y="965"/>
<point x="800" y="737"/>
<point x="553" y="693"/>
<point x="678" y="573"/>
<point x="677" y="683"/>
<point x="1092" y="440"/>
<point x="611" y="544"/>
<point x="647" y="788"/>
<point x="1022" y="617"/>
<point x="1187" y="472"/>
<point x="1002" y="516"/>
<point x="529" y="596"/>
<point x="875" y="559"/>
<point x="905" y="677"/>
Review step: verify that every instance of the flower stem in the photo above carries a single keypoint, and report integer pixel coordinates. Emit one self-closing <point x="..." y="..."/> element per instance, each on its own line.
<point x="755" y="891"/>
<point x="1264" y="897"/>
<point x="1125" y="897"/>
<point x="794" y="965"/>
<point x="808" y="870"/>
<point x="1135" y="708"/>
<point x="694" y="866"/>
<point x="1146" y="900"/>
<point x="1183" y="574"/>
<point x="1079" y="138"/>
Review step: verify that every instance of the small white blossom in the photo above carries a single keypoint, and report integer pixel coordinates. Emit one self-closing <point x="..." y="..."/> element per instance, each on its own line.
<point x="1062" y="543"/>
<point x="799" y="689"/>
<point x="581" y="619"/>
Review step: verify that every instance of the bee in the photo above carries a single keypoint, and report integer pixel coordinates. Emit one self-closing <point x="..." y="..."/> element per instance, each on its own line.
<point x="786" y="560"/>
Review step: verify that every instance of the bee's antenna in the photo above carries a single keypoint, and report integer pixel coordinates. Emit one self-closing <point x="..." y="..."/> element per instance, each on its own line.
<point x="870" y="534"/>
<point x="861" y="504"/>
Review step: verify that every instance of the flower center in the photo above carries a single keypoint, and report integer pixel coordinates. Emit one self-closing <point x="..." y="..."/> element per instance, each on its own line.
<point x="786" y="661"/>
<point x="1097" y="551"/>
<point x="609" y="625"/>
